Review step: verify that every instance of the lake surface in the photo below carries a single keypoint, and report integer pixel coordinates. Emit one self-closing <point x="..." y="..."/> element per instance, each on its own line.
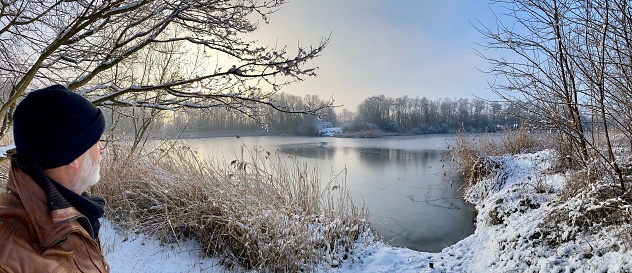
<point x="400" y="180"/>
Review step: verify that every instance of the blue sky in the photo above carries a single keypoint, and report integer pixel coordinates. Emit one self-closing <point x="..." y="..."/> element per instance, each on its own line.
<point x="419" y="48"/>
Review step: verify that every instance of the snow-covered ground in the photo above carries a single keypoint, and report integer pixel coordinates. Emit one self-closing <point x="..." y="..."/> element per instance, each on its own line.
<point x="5" y="149"/>
<point x="511" y="235"/>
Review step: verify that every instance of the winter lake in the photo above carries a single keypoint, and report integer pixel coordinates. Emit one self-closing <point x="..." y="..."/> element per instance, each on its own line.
<point x="400" y="180"/>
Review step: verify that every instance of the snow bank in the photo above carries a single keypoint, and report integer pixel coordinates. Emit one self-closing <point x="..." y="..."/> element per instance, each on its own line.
<point x="130" y="252"/>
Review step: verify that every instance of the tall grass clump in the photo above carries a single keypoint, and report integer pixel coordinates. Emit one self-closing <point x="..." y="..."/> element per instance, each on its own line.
<point x="468" y="154"/>
<point x="259" y="211"/>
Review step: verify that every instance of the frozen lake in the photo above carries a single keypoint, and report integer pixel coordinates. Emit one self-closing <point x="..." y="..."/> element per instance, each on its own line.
<point x="400" y="179"/>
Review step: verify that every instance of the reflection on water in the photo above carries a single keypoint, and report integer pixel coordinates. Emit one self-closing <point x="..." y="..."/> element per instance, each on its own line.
<point x="400" y="179"/>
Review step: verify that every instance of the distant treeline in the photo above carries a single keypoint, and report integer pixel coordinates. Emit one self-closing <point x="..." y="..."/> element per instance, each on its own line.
<point x="404" y="115"/>
<point x="424" y="116"/>
<point x="268" y="120"/>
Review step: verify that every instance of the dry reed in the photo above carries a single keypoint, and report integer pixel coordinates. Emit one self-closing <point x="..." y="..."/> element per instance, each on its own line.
<point x="259" y="212"/>
<point x="468" y="155"/>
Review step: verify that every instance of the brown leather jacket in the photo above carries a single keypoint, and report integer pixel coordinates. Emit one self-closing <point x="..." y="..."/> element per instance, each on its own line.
<point x="34" y="239"/>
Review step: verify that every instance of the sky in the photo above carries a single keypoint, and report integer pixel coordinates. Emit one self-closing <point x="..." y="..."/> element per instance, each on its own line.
<point x="418" y="48"/>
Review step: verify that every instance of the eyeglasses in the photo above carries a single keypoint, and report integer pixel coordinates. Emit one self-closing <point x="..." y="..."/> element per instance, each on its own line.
<point x="104" y="142"/>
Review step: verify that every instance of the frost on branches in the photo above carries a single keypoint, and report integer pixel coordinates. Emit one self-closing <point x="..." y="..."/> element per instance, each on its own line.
<point x="159" y="54"/>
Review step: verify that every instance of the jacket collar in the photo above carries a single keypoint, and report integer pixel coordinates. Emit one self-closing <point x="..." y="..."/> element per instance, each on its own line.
<point x="47" y="224"/>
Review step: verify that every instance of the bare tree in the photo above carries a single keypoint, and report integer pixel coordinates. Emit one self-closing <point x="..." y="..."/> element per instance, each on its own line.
<point x="570" y="68"/>
<point x="97" y="49"/>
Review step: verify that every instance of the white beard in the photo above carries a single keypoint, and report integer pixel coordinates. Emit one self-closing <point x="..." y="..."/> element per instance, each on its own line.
<point x="87" y="176"/>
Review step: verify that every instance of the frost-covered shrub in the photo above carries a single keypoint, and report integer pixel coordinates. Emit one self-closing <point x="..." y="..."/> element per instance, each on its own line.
<point x="259" y="214"/>
<point x="469" y="154"/>
<point x="596" y="207"/>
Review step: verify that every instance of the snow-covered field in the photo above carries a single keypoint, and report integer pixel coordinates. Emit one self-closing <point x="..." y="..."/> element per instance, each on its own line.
<point x="517" y="206"/>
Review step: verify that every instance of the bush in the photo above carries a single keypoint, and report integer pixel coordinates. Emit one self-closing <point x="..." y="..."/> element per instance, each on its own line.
<point x="468" y="155"/>
<point x="261" y="214"/>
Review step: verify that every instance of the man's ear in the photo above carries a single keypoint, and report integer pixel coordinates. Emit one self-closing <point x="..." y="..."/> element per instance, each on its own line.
<point x="74" y="164"/>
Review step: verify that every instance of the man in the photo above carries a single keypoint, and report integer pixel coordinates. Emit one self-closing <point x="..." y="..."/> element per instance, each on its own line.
<point x="47" y="221"/>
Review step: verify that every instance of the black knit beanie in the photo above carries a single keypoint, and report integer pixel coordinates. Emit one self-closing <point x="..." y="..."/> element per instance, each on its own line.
<point x="54" y="126"/>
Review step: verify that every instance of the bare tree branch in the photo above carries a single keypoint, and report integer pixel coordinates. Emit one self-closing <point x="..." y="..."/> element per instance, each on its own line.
<point x="100" y="48"/>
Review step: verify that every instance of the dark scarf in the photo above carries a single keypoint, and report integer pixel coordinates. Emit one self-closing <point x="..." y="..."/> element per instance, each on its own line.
<point x="60" y="197"/>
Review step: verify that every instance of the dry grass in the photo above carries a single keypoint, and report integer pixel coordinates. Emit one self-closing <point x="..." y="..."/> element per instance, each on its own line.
<point x="258" y="211"/>
<point x="4" y="173"/>
<point x="468" y="154"/>
<point x="587" y="202"/>
<point x="595" y="207"/>
<point x="580" y="180"/>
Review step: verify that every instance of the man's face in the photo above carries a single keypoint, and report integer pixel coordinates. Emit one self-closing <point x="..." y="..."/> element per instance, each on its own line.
<point x="89" y="168"/>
